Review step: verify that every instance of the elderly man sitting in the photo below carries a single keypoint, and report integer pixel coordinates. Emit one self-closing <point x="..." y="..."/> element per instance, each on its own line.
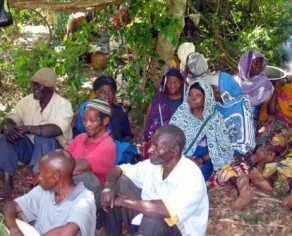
<point x="40" y="122"/>
<point x="158" y="194"/>
<point x="58" y="205"/>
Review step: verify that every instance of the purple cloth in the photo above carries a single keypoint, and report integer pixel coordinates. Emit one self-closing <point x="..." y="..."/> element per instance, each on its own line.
<point x="257" y="88"/>
<point x="159" y="114"/>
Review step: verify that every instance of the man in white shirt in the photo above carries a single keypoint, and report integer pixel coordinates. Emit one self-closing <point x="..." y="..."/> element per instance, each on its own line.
<point x="165" y="195"/>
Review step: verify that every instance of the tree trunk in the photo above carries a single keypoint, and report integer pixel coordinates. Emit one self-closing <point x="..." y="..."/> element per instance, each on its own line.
<point x="164" y="49"/>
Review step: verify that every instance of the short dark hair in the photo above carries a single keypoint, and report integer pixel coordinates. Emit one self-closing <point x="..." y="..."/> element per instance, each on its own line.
<point x="60" y="159"/>
<point x="197" y="86"/>
<point x="177" y="135"/>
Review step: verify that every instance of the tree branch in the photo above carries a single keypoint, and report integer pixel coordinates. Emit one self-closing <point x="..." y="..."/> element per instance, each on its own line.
<point x="72" y="6"/>
<point x="228" y="60"/>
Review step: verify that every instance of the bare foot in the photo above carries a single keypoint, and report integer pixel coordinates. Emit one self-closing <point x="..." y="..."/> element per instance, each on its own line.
<point x="259" y="181"/>
<point x="263" y="155"/>
<point x="244" y="198"/>
<point x="288" y="201"/>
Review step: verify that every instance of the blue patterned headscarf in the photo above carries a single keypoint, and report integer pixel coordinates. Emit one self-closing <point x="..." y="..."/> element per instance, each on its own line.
<point x="238" y="114"/>
<point x="219" y="146"/>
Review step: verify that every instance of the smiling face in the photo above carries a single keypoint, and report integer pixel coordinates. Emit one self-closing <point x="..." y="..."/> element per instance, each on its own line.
<point x="93" y="124"/>
<point x="174" y="87"/>
<point x="161" y="149"/>
<point x="256" y="66"/>
<point x="196" y="99"/>
<point x="107" y="93"/>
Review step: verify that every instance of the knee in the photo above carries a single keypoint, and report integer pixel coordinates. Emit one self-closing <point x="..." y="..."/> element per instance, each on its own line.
<point x="124" y="184"/>
<point x="152" y="226"/>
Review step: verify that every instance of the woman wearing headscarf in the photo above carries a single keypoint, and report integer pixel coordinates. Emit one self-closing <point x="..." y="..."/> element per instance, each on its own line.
<point x="207" y="142"/>
<point x="252" y="79"/>
<point x="196" y="67"/>
<point x="167" y="99"/>
<point x="237" y="111"/>
<point x="236" y="108"/>
<point x="204" y="128"/>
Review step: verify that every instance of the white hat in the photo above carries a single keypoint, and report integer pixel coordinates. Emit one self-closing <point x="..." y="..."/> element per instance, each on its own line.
<point x="183" y="51"/>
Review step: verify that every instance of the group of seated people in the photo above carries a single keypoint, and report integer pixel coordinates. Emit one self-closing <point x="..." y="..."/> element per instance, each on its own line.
<point x="211" y="128"/>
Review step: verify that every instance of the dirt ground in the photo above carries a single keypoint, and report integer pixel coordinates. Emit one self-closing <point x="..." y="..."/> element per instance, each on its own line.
<point x="266" y="215"/>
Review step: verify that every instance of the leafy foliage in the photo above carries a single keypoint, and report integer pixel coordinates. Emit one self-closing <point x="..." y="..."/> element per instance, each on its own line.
<point x="137" y="33"/>
<point x="252" y="220"/>
<point x="3" y="231"/>
<point x="279" y="188"/>
<point x="243" y="25"/>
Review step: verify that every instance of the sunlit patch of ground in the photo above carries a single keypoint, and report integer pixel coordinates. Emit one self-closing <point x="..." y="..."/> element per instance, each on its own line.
<point x="36" y="29"/>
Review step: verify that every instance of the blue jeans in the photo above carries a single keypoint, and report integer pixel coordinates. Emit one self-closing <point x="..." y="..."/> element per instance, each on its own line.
<point x="25" y="151"/>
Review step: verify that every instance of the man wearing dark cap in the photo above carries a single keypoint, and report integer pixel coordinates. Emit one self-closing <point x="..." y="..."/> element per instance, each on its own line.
<point x="105" y="87"/>
<point x="40" y="122"/>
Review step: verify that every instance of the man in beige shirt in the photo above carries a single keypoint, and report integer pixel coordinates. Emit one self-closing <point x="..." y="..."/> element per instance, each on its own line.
<point x="40" y="122"/>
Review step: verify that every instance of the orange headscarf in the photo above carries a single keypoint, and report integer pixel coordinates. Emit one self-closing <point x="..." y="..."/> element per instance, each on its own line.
<point x="284" y="99"/>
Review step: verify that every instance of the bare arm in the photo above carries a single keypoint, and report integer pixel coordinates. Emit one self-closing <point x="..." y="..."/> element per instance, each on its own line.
<point x="10" y="210"/>
<point x="151" y="208"/>
<point x="272" y="104"/>
<point x="13" y="133"/>
<point x="65" y="230"/>
<point x="82" y="165"/>
<point x="48" y="130"/>
<point x="108" y="193"/>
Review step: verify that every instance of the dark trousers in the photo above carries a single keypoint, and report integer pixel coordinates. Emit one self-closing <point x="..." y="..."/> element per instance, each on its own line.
<point x="92" y="183"/>
<point x="25" y="151"/>
<point x="149" y="226"/>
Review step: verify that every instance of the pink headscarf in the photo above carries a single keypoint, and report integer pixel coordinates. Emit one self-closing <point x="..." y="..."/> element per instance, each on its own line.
<point x="258" y="88"/>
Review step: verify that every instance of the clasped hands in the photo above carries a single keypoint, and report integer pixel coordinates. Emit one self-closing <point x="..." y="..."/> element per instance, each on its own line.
<point x="108" y="198"/>
<point x="14" y="133"/>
